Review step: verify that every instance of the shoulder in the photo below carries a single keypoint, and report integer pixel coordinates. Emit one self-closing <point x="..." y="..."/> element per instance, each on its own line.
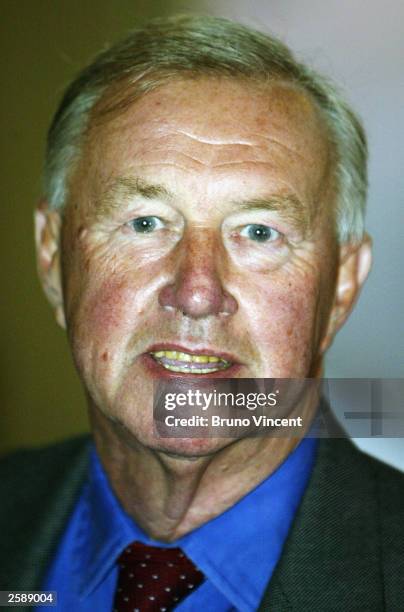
<point x="363" y="477"/>
<point x="385" y="473"/>
<point x="389" y="493"/>
<point x="370" y="513"/>
<point x="389" y="481"/>
<point x="31" y="476"/>
<point x="33" y="467"/>
<point x="39" y="477"/>
<point x="348" y="535"/>
<point x="38" y="490"/>
<point x="64" y="448"/>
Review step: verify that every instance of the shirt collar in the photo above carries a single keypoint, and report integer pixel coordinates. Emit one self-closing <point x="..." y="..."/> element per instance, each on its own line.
<point x="238" y="561"/>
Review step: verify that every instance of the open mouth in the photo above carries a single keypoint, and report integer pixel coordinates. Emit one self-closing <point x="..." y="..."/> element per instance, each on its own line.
<point x="187" y="363"/>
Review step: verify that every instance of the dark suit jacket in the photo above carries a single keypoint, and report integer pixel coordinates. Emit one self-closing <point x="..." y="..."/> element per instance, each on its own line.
<point x="345" y="551"/>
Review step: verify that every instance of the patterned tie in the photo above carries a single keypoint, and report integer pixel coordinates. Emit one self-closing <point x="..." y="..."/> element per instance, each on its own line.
<point x="154" y="579"/>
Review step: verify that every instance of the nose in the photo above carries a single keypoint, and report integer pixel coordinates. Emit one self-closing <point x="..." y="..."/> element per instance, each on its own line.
<point x="197" y="290"/>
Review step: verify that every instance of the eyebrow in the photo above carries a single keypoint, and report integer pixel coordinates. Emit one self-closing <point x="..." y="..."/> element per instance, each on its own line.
<point x="125" y="188"/>
<point x="288" y="205"/>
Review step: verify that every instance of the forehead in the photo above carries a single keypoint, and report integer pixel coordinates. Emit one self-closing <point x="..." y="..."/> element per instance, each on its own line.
<point x="209" y="127"/>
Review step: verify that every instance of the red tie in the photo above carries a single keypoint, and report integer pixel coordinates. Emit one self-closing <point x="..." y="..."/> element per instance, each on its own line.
<point x="154" y="579"/>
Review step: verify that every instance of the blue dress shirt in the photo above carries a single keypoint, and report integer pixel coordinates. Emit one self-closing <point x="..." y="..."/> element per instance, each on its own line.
<point x="237" y="551"/>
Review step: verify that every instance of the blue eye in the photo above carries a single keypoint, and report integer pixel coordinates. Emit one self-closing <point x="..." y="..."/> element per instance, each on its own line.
<point x="260" y="233"/>
<point x="145" y="225"/>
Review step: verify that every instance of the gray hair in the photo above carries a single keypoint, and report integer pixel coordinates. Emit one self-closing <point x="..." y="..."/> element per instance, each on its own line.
<point x="194" y="46"/>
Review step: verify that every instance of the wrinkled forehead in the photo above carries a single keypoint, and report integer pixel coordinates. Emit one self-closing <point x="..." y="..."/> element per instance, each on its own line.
<point x="215" y="106"/>
<point x="213" y="123"/>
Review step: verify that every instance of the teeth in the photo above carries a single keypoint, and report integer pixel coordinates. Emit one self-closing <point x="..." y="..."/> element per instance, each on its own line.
<point x="186" y="370"/>
<point x="179" y="356"/>
<point x="200" y="359"/>
<point x="186" y="359"/>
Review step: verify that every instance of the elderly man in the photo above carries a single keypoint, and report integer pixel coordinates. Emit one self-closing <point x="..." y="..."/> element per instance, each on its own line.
<point x="202" y="218"/>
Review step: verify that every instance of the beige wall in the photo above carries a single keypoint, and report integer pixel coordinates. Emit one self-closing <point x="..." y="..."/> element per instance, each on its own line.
<point x="43" y="44"/>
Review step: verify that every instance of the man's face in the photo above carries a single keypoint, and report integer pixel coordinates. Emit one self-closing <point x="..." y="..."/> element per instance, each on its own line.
<point x="198" y="240"/>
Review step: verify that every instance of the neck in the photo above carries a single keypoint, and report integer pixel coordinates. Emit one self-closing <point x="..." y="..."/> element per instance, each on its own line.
<point x="170" y="494"/>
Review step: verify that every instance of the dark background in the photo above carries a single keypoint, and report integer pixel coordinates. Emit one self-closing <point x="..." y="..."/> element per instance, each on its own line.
<point x="43" y="45"/>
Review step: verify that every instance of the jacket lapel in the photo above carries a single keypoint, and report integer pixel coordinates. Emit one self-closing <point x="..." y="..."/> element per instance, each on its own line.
<point x="331" y="559"/>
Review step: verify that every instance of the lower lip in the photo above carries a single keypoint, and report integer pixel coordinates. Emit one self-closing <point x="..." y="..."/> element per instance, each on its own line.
<point x="156" y="370"/>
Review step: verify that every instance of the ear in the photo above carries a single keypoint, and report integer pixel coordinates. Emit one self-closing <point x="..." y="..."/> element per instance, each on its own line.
<point x="354" y="265"/>
<point x="48" y="225"/>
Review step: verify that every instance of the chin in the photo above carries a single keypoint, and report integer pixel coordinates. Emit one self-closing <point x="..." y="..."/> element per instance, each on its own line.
<point x="189" y="448"/>
<point x="143" y="436"/>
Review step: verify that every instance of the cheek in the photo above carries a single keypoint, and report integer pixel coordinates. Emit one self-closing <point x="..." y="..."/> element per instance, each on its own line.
<point x="113" y="312"/>
<point x="109" y="316"/>
<point x="110" y="305"/>
<point x="98" y="323"/>
<point x="105" y="292"/>
<point x="106" y="310"/>
<point x="284" y="325"/>
<point x="104" y="330"/>
<point x="290" y="313"/>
